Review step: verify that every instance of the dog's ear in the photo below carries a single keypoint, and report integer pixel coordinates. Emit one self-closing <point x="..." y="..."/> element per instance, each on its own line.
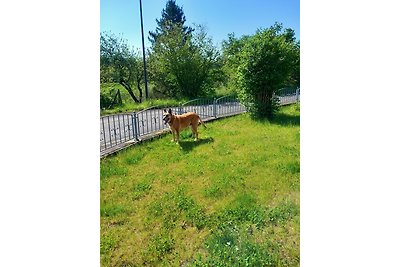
<point x="169" y="111"/>
<point x="165" y="111"/>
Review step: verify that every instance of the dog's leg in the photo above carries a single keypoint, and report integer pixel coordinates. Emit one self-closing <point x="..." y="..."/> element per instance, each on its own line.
<point x="177" y="137"/>
<point x="173" y="135"/>
<point x="194" y="131"/>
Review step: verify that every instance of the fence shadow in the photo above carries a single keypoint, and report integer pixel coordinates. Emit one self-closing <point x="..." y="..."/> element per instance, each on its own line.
<point x="188" y="144"/>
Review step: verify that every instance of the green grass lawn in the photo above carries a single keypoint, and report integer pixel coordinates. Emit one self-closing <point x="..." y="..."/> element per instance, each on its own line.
<point x="230" y="199"/>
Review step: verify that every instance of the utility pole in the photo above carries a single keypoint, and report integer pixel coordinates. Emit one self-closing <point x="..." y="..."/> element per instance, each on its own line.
<point x="144" y="54"/>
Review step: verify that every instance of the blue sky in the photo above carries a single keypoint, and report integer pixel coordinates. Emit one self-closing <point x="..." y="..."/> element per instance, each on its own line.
<point x="219" y="16"/>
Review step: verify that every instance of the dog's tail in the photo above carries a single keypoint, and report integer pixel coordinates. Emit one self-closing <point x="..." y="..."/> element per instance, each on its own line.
<point x="202" y="122"/>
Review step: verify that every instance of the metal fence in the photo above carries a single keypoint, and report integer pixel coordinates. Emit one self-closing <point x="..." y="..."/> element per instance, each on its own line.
<point x="288" y="95"/>
<point x="118" y="129"/>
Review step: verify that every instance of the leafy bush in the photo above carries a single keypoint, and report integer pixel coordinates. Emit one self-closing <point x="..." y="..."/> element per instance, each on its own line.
<point x="263" y="63"/>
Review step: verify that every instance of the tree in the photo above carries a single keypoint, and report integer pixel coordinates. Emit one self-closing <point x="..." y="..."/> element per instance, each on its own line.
<point x="184" y="66"/>
<point x="231" y="49"/>
<point x="119" y="64"/>
<point x="265" y="62"/>
<point x="171" y="16"/>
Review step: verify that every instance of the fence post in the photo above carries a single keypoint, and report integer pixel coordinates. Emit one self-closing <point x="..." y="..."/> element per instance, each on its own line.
<point x="137" y="126"/>
<point x="134" y="126"/>
<point x="215" y="107"/>
<point x="297" y="94"/>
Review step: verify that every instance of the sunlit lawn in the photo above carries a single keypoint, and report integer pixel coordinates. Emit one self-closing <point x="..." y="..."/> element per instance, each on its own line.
<point x="229" y="199"/>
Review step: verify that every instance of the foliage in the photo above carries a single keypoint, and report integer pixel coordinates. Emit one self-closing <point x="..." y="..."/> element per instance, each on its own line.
<point x="184" y="65"/>
<point x="110" y="97"/>
<point x="119" y="64"/>
<point x="261" y="64"/>
<point x="231" y="49"/>
<point x="106" y="99"/>
<point x="130" y="107"/>
<point x="171" y="15"/>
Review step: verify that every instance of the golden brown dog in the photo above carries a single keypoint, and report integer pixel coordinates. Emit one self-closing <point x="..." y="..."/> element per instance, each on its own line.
<point x="180" y="122"/>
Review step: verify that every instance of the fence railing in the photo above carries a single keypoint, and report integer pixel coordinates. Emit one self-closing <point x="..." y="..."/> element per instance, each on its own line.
<point x="117" y="129"/>
<point x="288" y="95"/>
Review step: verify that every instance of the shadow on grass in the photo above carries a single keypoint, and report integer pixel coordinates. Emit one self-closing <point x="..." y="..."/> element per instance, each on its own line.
<point x="285" y="119"/>
<point x="188" y="144"/>
<point x="281" y="119"/>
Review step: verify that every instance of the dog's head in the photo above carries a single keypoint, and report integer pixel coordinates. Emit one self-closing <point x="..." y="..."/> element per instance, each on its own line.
<point x="167" y="116"/>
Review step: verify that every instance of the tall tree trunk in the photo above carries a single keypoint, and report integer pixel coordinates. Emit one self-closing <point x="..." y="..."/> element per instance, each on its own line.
<point x="129" y="89"/>
<point x="265" y="105"/>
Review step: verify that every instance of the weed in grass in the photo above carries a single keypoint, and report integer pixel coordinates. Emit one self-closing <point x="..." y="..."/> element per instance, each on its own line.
<point x="128" y="264"/>
<point x="243" y="170"/>
<point x="223" y="149"/>
<point x="160" y="245"/>
<point x="192" y="212"/>
<point x="243" y="209"/>
<point x="156" y="208"/>
<point x="107" y="243"/>
<point x="283" y="212"/>
<point x="260" y="159"/>
<point x="168" y="179"/>
<point x="135" y="158"/>
<point x="111" y="210"/>
<point x="222" y="184"/>
<point x="197" y="217"/>
<point x="233" y="247"/>
<point x="112" y="167"/>
<point x="214" y="191"/>
<point x="292" y="167"/>
<point x="232" y="132"/>
<point x="140" y="190"/>
<point x="175" y="205"/>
